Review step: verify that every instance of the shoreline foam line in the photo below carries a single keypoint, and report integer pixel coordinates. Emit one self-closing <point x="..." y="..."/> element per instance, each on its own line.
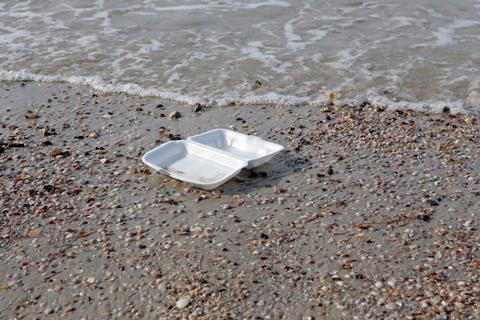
<point x="97" y="83"/>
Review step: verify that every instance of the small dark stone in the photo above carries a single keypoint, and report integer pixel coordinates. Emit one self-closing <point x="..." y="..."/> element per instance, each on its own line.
<point x="304" y="141"/>
<point x="264" y="236"/>
<point x="432" y="202"/>
<point x="45" y="143"/>
<point x="79" y="137"/>
<point x="197" y="107"/>
<point x="253" y="174"/>
<point x="175" y="115"/>
<point x="446" y="109"/>
<point x="424" y="217"/>
<point x="330" y="170"/>
<point x="257" y="84"/>
<point x="49" y="188"/>
<point x="174" y="136"/>
<point x="2" y="150"/>
<point x="16" y="145"/>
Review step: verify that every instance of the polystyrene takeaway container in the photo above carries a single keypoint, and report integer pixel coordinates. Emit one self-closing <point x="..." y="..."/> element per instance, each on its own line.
<point x="203" y="167"/>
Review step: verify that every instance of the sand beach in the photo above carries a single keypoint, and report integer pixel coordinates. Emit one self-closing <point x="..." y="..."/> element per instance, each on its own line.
<point x="370" y="212"/>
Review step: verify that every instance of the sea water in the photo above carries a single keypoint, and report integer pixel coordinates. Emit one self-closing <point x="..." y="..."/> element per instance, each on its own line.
<point x="422" y="54"/>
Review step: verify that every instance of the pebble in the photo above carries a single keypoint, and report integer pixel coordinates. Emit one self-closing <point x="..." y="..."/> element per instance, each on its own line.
<point x="391" y="306"/>
<point x="256" y="84"/>
<point x="113" y="288"/>
<point x="183" y="302"/>
<point x="34" y="233"/>
<point x="196" y="107"/>
<point x="31" y="115"/>
<point x="48" y="311"/>
<point x="69" y="308"/>
<point x="174" y="115"/>
<point x="56" y="152"/>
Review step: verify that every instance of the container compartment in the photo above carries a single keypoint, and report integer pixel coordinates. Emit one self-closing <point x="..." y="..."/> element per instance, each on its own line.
<point x="254" y="150"/>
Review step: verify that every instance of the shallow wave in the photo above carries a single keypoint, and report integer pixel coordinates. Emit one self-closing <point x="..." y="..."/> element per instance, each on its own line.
<point x="416" y="54"/>
<point x="271" y="98"/>
<point x="97" y="83"/>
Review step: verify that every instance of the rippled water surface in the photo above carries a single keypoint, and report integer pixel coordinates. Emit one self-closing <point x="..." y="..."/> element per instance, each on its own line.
<point x="423" y="52"/>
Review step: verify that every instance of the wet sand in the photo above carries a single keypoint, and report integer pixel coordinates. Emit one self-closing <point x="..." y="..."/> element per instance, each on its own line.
<point x="369" y="213"/>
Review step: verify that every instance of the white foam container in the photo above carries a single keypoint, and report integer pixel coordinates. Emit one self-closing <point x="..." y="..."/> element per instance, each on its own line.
<point x="189" y="162"/>
<point x="210" y="159"/>
<point x="251" y="149"/>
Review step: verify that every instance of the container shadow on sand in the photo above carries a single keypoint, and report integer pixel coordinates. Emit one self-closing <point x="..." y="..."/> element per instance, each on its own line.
<point x="267" y="175"/>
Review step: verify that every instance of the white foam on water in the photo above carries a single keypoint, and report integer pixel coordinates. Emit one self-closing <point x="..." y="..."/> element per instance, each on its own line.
<point x="270" y="98"/>
<point x="275" y="3"/>
<point x="445" y="34"/>
<point x="99" y="84"/>
<point x="406" y="54"/>
<point x="294" y="41"/>
<point x="228" y="5"/>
